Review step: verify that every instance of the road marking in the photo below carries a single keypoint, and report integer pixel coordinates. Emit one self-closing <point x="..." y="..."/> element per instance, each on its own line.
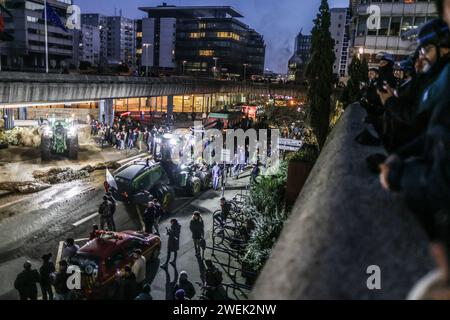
<point x="140" y="217"/>
<point x="76" y="224"/>
<point x="58" y="256"/>
<point x="11" y="203"/>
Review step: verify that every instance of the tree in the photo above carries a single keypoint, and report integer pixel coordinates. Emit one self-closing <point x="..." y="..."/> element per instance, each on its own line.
<point x="357" y="71"/>
<point x="319" y="73"/>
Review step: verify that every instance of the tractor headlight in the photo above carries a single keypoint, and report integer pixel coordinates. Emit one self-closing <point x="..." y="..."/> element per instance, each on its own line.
<point x="72" y="132"/>
<point x="48" y="132"/>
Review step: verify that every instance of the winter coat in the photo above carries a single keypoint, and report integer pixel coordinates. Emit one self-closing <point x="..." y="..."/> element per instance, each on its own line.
<point x="26" y="283"/>
<point x="60" y="282"/>
<point x="150" y="215"/>
<point x="423" y="174"/>
<point x="173" y="243"/>
<point x="197" y="228"/>
<point x="45" y="272"/>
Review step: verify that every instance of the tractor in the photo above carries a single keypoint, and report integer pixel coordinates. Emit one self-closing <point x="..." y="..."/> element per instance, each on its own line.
<point x="59" y="137"/>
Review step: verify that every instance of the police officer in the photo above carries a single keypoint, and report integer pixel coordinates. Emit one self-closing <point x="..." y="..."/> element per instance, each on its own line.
<point x="421" y="170"/>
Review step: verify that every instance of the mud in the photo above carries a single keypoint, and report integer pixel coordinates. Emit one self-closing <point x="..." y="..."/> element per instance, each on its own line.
<point x="24" y="187"/>
<point x="61" y="175"/>
<point x="26" y="137"/>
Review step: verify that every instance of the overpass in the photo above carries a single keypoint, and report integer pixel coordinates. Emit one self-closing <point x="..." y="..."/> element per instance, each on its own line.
<point x="19" y="89"/>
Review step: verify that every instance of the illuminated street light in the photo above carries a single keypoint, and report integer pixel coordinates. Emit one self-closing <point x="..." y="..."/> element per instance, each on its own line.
<point x="146" y="46"/>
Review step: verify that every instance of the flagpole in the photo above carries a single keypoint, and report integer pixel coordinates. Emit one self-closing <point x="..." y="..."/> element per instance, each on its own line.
<point x="46" y="37"/>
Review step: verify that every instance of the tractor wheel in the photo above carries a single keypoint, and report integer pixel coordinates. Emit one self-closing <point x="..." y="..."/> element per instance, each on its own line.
<point x="206" y="180"/>
<point x="165" y="196"/>
<point x="195" y="186"/>
<point x="46" y="149"/>
<point x="73" y="147"/>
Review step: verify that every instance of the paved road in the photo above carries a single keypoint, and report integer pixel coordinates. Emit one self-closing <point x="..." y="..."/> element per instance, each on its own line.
<point x="35" y="225"/>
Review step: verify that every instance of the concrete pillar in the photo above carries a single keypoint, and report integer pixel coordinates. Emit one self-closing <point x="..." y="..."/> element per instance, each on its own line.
<point x="9" y="118"/>
<point x="106" y="111"/>
<point x="22" y="113"/>
<point x="170" y="105"/>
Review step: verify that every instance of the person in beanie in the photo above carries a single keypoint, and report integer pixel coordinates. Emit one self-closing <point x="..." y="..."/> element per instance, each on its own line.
<point x="186" y="285"/>
<point x="180" y="295"/>
<point x="46" y="271"/>
<point x="197" y="228"/>
<point x="26" y="282"/>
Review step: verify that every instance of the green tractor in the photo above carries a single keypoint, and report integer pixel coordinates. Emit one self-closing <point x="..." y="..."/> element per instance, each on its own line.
<point x="60" y="138"/>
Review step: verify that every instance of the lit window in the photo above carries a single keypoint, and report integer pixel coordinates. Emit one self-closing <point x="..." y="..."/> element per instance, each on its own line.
<point x="196" y="35"/>
<point x="206" y="53"/>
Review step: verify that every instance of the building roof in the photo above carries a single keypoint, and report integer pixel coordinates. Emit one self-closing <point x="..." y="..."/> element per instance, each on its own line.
<point x="190" y="11"/>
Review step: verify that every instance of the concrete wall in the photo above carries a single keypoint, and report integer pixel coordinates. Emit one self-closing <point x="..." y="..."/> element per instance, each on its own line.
<point x="342" y="223"/>
<point x="17" y="87"/>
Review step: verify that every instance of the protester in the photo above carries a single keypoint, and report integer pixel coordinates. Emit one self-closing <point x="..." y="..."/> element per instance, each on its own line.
<point x="127" y="284"/>
<point x="26" y="282"/>
<point x="69" y="250"/>
<point x="173" y="243"/>
<point x="197" y="228"/>
<point x="105" y="214"/>
<point x="46" y="272"/>
<point x="186" y="285"/>
<point x="145" y="293"/>
<point x="216" y="173"/>
<point x="149" y="217"/>
<point x="62" y="292"/>
<point x="112" y="210"/>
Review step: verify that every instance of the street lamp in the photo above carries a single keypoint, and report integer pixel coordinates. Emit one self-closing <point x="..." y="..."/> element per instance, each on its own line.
<point x="146" y="46"/>
<point x="245" y="71"/>
<point x="215" y="66"/>
<point x="184" y="66"/>
<point x="360" y="52"/>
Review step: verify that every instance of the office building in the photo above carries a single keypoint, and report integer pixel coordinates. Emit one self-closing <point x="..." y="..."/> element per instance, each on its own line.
<point x="117" y="37"/>
<point x="26" y="25"/>
<point x="204" y="40"/>
<point x="397" y="18"/>
<point x="340" y="20"/>
<point x="300" y="58"/>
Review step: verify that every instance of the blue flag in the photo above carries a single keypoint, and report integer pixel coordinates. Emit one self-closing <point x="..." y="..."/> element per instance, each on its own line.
<point x="53" y="17"/>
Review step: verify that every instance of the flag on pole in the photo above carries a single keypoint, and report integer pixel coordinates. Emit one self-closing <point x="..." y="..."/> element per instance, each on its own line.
<point x="110" y="180"/>
<point x="4" y="36"/>
<point x="53" y="17"/>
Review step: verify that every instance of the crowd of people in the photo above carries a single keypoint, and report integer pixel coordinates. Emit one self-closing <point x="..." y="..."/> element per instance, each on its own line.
<point x="408" y="105"/>
<point x="132" y="281"/>
<point x="127" y="134"/>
